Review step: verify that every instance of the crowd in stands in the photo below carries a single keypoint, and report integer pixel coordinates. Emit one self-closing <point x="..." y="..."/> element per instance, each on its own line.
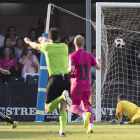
<point x="19" y="58"/>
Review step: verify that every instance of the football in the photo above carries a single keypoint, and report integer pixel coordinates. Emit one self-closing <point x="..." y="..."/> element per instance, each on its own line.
<point x="119" y="43"/>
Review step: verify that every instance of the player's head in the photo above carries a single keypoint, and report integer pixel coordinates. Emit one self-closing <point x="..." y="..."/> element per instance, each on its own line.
<point x="54" y="34"/>
<point x="84" y="36"/>
<point x="79" y="42"/>
<point x="121" y="97"/>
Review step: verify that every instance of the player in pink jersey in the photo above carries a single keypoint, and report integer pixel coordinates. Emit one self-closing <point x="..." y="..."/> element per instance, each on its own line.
<point x="79" y="67"/>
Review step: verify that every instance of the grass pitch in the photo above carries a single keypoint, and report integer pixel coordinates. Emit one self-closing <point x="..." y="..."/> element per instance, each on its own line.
<point x="74" y="131"/>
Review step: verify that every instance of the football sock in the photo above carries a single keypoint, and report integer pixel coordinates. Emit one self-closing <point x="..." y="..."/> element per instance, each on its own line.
<point x="54" y="104"/>
<point x="76" y="109"/>
<point x="88" y="109"/>
<point x="63" y="120"/>
<point x="4" y="118"/>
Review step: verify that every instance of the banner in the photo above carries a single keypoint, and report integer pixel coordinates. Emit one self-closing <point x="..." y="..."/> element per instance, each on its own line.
<point x="19" y="102"/>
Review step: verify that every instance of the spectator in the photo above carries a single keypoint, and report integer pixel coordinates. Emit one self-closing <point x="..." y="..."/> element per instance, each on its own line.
<point x="1" y="40"/>
<point x="18" y="48"/>
<point x="29" y="62"/>
<point x="11" y="33"/>
<point x="71" y="47"/>
<point x="84" y="36"/>
<point x="41" y="29"/>
<point x="31" y="34"/>
<point x="7" y="62"/>
<point x="67" y="42"/>
<point x="93" y="70"/>
<point x="39" y="23"/>
<point x="7" y="43"/>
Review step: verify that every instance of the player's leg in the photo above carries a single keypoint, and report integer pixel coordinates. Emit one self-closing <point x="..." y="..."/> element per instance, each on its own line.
<point x="62" y="106"/>
<point x="86" y="103"/>
<point x="55" y="95"/>
<point x="90" y="125"/>
<point x="8" y="120"/>
<point x="62" y="118"/>
<point x="76" y="97"/>
<point x="136" y="118"/>
<point x="50" y="107"/>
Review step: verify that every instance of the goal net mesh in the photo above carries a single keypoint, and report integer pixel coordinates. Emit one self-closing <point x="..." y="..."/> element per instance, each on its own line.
<point x="120" y="72"/>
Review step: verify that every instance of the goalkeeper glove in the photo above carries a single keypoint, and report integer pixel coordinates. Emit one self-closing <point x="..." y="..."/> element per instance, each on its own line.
<point x="121" y="122"/>
<point x="125" y="123"/>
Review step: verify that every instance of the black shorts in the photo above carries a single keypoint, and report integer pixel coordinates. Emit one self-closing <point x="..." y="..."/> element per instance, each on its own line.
<point x="56" y="85"/>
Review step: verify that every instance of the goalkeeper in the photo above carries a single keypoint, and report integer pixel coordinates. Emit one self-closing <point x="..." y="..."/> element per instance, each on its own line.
<point x="129" y="109"/>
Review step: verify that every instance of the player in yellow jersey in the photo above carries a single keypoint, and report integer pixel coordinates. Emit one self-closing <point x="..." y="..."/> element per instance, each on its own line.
<point x="129" y="109"/>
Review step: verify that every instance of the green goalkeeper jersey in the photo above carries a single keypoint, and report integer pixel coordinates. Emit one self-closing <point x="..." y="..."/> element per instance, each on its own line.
<point x="56" y="57"/>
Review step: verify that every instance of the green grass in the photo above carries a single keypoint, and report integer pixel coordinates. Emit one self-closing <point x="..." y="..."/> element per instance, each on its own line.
<point x="74" y="131"/>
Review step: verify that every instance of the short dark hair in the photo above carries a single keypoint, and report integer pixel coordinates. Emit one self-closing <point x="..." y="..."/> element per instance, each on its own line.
<point x="65" y="39"/>
<point x="32" y="29"/>
<point x="21" y="39"/>
<point x="10" y="28"/>
<point x="122" y="97"/>
<point x="54" y="33"/>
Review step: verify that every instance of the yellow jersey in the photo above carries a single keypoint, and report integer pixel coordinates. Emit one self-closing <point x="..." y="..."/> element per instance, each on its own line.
<point x="127" y="108"/>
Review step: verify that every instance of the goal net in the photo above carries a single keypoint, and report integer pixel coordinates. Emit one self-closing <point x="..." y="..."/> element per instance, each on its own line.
<point x="120" y="69"/>
<point x="120" y="72"/>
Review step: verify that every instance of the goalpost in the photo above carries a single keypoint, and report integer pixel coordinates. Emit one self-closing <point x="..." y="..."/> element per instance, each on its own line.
<point x="43" y="78"/>
<point x="120" y="73"/>
<point x="120" y="69"/>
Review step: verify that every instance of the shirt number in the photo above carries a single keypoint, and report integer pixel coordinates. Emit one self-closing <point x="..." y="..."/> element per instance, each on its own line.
<point x="81" y="72"/>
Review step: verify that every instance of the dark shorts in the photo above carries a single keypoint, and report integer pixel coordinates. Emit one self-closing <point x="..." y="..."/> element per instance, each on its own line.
<point x="56" y="85"/>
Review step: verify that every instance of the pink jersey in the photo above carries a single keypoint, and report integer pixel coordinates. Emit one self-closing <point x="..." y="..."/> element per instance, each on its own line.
<point x="80" y="79"/>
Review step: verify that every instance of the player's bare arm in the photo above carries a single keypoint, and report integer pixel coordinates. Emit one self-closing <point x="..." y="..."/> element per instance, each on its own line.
<point x="43" y="40"/>
<point x="99" y="61"/>
<point x="34" y="45"/>
<point x="6" y="72"/>
<point x="71" y="67"/>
